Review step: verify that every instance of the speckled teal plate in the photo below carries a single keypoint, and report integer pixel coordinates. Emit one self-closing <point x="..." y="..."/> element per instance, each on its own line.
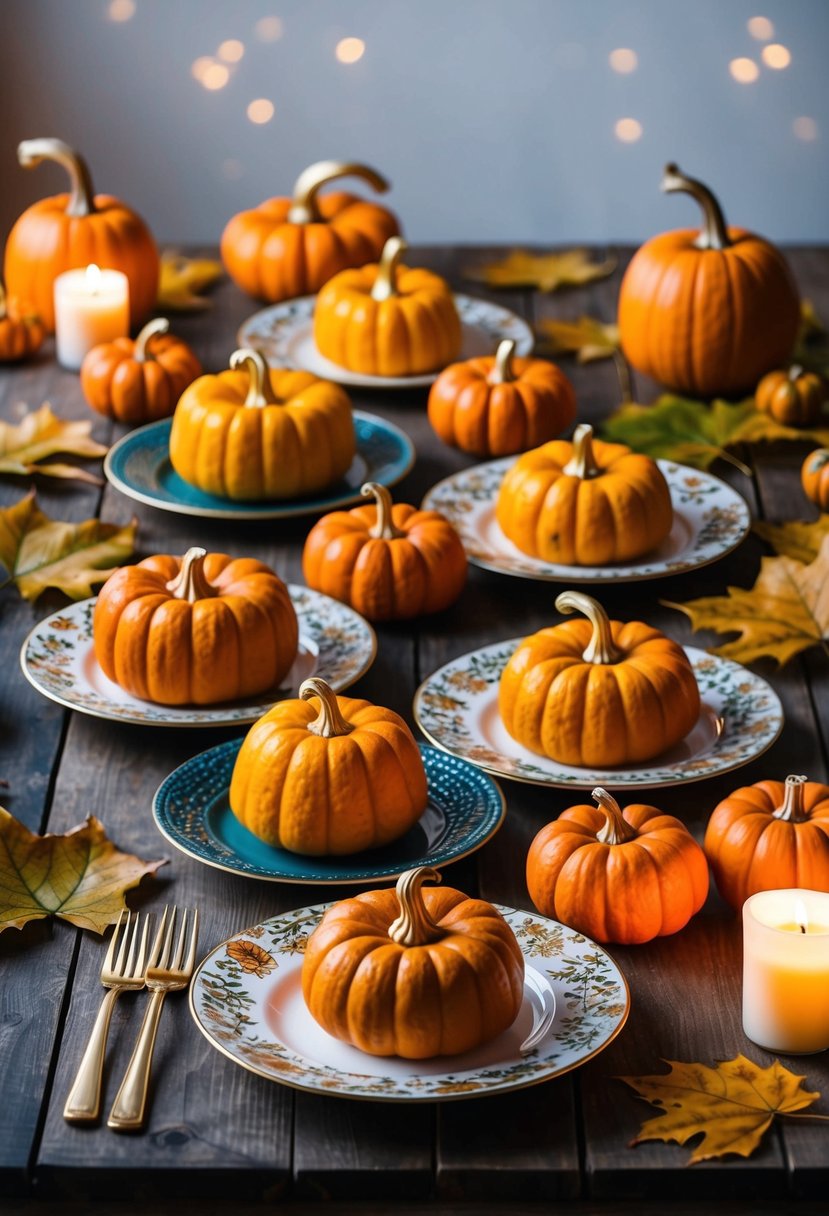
<point x="466" y="807"/>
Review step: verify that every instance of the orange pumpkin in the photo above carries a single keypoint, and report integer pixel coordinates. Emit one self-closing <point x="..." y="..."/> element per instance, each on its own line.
<point x="497" y="406"/>
<point x="617" y="876"/>
<point x="21" y="334"/>
<point x="139" y="381"/>
<point x="814" y="477"/>
<point x="325" y="779"/>
<point x="596" y="692"/>
<point x="770" y="835"/>
<point x="707" y="312"/>
<point x="793" y="397"/>
<point x="413" y="973"/>
<point x="388" y="562"/>
<point x="292" y="246"/>
<point x="387" y="320"/>
<point x="74" y="230"/>
<point x="195" y="630"/>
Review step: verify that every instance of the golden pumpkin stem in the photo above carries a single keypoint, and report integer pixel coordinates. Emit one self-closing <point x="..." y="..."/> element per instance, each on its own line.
<point x="792" y="810"/>
<point x="304" y="209"/>
<point x="714" y="234"/>
<point x="795" y="372"/>
<point x="384" y="528"/>
<point x="601" y="648"/>
<point x="32" y="152"/>
<point x="158" y="325"/>
<point x="385" y="285"/>
<point x="583" y="461"/>
<point x="260" y="390"/>
<point x="191" y="582"/>
<point x="330" y="723"/>
<point x="616" y="828"/>
<point x="503" y="371"/>
<point x="414" y="926"/>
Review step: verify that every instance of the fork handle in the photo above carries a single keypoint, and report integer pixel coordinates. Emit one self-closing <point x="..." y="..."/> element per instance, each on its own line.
<point x="127" y="1114"/>
<point x="84" y="1102"/>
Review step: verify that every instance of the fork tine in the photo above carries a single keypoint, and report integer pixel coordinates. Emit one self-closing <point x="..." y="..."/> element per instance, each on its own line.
<point x="113" y="941"/>
<point x="133" y="939"/>
<point x="190" y="961"/>
<point x="141" y="961"/>
<point x="155" y="952"/>
<point x="164" y="959"/>
<point x="122" y="952"/>
<point x="179" y="954"/>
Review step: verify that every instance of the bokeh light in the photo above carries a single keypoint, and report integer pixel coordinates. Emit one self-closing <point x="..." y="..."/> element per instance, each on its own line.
<point x="805" y="128"/>
<point x="260" y="110"/>
<point x="623" y="60"/>
<point x="744" y="71"/>
<point x="775" y="55"/>
<point x="121" y="10"/>
<point x="760" y="28"/>
<point x="628" y="130"/>
<point x="349" y="50"/>
<point x="199" y="67"/>
<point x="231" y="51"/>
<point x="215" y="76"/>
<point x="268" y="29"/>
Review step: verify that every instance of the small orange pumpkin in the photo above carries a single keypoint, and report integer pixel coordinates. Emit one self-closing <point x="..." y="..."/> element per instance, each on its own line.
<point x="814" y="477"/>
<point x="20" y="334"/>
<point x="793" y="397"/>
<point x="139" y="381"/>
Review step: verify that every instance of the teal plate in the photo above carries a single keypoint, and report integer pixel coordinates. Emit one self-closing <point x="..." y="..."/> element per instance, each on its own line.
<point x="139" y="466"/>
<point x="466" y="808"/>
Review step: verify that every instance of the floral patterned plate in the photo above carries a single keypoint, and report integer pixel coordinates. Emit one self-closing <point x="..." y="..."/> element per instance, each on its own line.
<point x="710" y="519"/>
<point x="466" y="808"/>
<point x="58" y="658"/>
<point x="457" y="708"/>
<point x="246" y="998"/>
<point x="285" y="335"/>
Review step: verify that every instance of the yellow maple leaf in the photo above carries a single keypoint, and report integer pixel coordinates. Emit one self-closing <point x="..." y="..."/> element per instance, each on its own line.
<point x="546" y="271"/>
<point x="730" y="1105"/>
<point x="182" y="280"/>
<point x="41" y="433"/>
<point x="795" y="538"/>
<point x="587" y="338"/>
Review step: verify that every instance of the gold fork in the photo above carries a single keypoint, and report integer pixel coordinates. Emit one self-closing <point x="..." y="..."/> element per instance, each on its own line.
<point x="117" y="974"/>
<point x="167" y="971"/>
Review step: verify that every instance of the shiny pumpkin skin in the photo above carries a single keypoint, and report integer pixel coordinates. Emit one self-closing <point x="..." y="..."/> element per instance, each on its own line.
<point x="301" y="445"/>
<point x="328" y="796"/>
<point x="750" y="851"/>
<point x="417" y="1002"/>
<point x="574" y="521"/>
<point x="237" y="643"/>
<point x="20" y="336"/>
<point x="814" y="477"/>
<point x="791" y="401"/>
<point x="627" y="893"/>
<point x="118" y="386"/>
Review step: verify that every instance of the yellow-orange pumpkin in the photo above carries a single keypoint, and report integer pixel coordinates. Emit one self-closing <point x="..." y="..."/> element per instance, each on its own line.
<point x="21" y="333"/>
<point x="793" y="398"/>
<point x="142" y="380"/>
<point x="814" y="476"/>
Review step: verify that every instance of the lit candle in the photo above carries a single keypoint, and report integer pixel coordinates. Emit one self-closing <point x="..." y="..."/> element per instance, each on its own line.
<point x="786" y="970"/>
<point x="91" y="306"/>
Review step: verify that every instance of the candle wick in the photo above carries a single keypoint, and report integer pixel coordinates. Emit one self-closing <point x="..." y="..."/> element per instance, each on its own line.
<point x="802" y="928"/>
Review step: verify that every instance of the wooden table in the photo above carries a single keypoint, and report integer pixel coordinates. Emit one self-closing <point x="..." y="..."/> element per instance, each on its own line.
<point x="216" y="1130"/>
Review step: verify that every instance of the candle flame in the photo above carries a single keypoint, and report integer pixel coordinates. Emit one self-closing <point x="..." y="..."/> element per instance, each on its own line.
<point x="93" y="278"/>
<point x="801" y="915"/>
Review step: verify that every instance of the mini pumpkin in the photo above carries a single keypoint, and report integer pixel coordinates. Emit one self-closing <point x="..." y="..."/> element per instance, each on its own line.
<point x="195" y="630"/>
<point x="387" y="320"/>
<point x="770" y="835"/>
<point x="139" y="381"/>
<point x="617" y="876"/>
<point x="814" y="477"/>
<point x="328" y="776"/>
<point x="412" y="972"/>
<point x="597" y="692"/>
<point x="21" y="334"/>
<point x="292" y="246"/>
<point x="259" y="433"/>
<point x="707" y="312"/>
<point x="793" y="398"/>
<point x="389" y="562"/>
<point x="584" y="503"/>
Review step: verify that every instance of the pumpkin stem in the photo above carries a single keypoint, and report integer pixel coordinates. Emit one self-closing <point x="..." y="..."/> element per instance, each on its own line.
<point x="330" y="723"/>
<point x="260" y="390"/>
<point x="503" y="372"/>
<point x="623" y="376"/>
<point x="385" y="285"/>
<point x="158" y="325"/>
<point x="714" y="233"/>
<point x="792" y="810"/>
<point x="384" y="528"/>
<point x="32" y="152"/>
<point x="414" y="926"/>
<point x="304" y="209"/>
<point x="601" y="647"/>
<point x="795" y="372"/>
<point x="191" y="582"/>
<point x="583" y="461"/>
<point x="616" y="828"/>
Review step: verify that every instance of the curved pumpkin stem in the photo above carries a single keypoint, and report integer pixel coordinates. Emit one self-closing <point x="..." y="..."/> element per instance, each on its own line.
<point x="304" y="209"/>
<point x="385" y="285"/>
<point x="795" y="372"/>
<point x="158" y="325"/>
<point x="616" y="828"/>
<point x="503" y="371"/>
<point x="330" y="723"/>
<point x="384" y="528"/>
<point x="601" y="647"/>
<point x="191" y="583"/>
<point x="260" y="390"/>
<point x="414" y="926"/>
<point x="32" y="152"/>
<point x="792" y="810"/>
<point x="714" y="234"/>
<point x="583" y="461"/>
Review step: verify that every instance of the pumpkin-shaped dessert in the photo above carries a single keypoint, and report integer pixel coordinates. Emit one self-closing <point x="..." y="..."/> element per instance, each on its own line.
<point x="413" y="973"/>
<point x="617" y="876"/>
<point x="292" y="246"/>
<point x="254" y="432"/>
<point x="387" y="320"/>
<point x="768" y="836"/>
<point x="596" y="692"/>
<point x="195" y="630"/>
<point x="330" y="776"/>
<point x="72" y="230"/>
<point x="584" y="503"/>
<point x="499" y="405"/>
<point x="21" y="333"/>
<point x="707" y="312"/>
<point x="139" y="381"/>
<point x="793" y="398"/>
<point x="388" y="562"/>
<point x="814" y="476"/>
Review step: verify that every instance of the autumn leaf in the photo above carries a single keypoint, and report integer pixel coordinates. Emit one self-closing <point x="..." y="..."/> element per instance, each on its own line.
<point x="730" y="1105"/>
<point x="40" y="434"/>
<point x="795" y="538"/>
<point x="39" y="552"/>
<point x="80" y="877"/>
<point x="546" y="271"/>
<point x="183" y="279"/>
<point x="587" y="338"/>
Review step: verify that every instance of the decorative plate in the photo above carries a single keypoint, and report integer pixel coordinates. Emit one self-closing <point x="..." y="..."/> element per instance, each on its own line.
<point x="285" y="335"/>
<point x="58" y="658"/>
<point x="191" y="809"/>
<point x="710" y="519"/>
<point x="246" y="998"/>
<point x="139" y="466"/>
<point x="457" y="708"/>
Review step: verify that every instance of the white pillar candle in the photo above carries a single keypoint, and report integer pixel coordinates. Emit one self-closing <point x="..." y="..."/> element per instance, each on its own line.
<point x="786" y="970"/>
<point x="91" y="306"/>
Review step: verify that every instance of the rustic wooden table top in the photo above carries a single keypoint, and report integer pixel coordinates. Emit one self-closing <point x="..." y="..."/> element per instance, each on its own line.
<point x="217" y="1130"/>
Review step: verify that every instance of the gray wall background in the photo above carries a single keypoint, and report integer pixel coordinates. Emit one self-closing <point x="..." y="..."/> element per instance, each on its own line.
<point x="494" y="119"/>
